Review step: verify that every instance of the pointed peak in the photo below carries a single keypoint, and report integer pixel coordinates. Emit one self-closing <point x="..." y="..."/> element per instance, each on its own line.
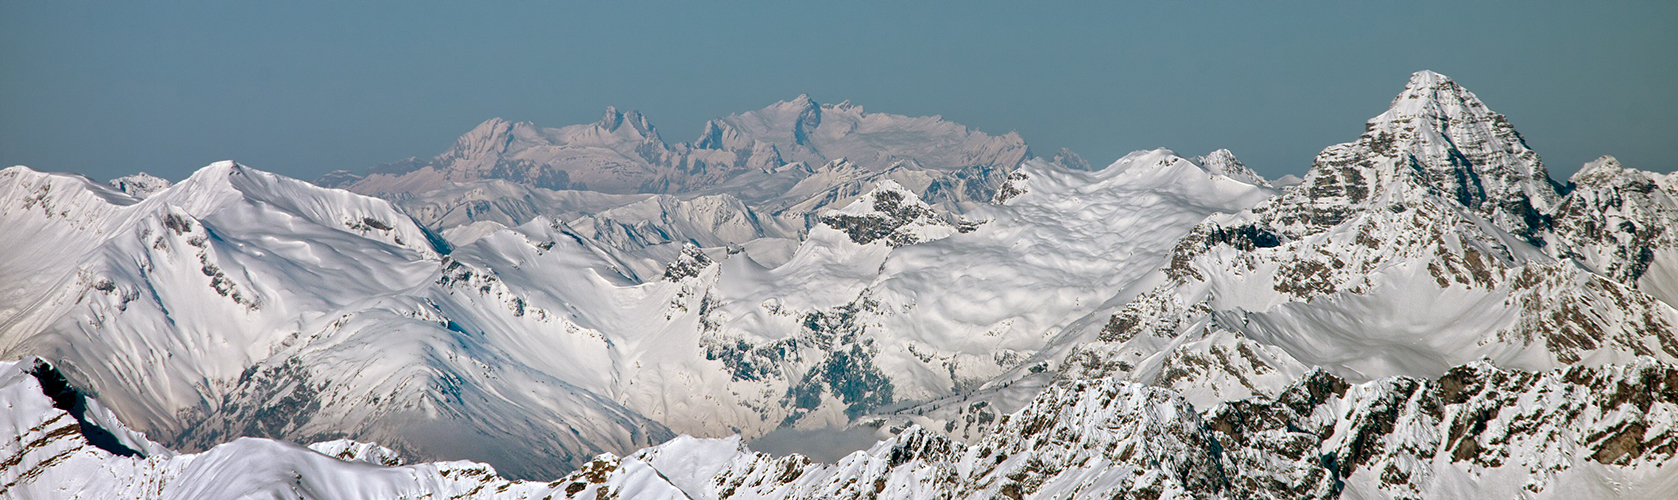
<point x="690" y="263"/>
<point x="840" y="164"/>
<point x="1436" y="96"/>
<point x="1223" y="162"/>
<point x="1429" y="86"/>
<point x="1603" y="164"/>
<point x="488" y="128"/>
<point x="614" y="118"/>
<point x="228" y="166"/>
<point x="891" y="185"/>
<point x="1437" y="139"/>
<point x="892" y="214"/>
<point x="885" y="192"/>
<point x="611" y="119"/>
<point x="1427" y="79"/>
<point x="1069" y="159"/>
<point x="809" y="117"/>
<point x="492" y="124"/>
<point x="719" y="134"/>
<point x="1607" y="170"/>
<point x="1222" y="156"/>
<point x="216" y="173"/>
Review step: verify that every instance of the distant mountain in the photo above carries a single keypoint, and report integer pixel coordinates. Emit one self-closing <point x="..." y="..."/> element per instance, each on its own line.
<point x="623" y="153"/>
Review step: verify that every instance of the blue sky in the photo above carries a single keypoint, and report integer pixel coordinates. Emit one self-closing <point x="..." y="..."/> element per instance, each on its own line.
<point x="302" y="88"/>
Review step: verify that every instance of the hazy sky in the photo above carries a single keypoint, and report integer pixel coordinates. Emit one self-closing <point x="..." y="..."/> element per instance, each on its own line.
<point x="302" y="88"/>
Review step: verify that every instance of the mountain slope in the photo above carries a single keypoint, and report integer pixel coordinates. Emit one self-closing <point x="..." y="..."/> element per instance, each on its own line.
<point x="1477" y="431"/>
<point x="1418" y="247"/>
<point x="1618" y="222"/>
<point x="238" y="302"/>
<point x="1382" y="263"/>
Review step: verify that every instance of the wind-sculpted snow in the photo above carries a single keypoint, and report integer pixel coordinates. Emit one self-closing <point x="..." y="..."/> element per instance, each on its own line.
<point x="930" y="305"/>
<point x="1476" y="432"/>
<point x="505" y="203"/>
<point x="238" y="303"/>
<point x="241" y="303"/>
<point x="644" y="232"/>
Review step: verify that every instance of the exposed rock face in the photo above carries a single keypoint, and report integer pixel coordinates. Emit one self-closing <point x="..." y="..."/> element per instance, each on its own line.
<point x="1223" y="162"/>
<point x="689" y="264"/>
<point x="1438" y="198"/>
<point x="1437" y="139"/>
<point x="1621" y="222"/>
<point x="892" y="214"/>
<point x="140" y="185"/>
<point x="1477" y="431"/>
<point x="1405" y="438"/>
<point x="1516" y="433"/>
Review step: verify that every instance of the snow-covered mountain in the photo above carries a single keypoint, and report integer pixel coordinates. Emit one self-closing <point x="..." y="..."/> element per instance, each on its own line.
<point x="1375" y="267"/>
<point x="1426" y="313"/>
<point x="1429" y="242"/>
<point x="1478" y="431"/>
<point x="238" y="302"/>
<point x="623" y="153"/>
<point x="1621" y="223"/>
<point x="772" y="172"/>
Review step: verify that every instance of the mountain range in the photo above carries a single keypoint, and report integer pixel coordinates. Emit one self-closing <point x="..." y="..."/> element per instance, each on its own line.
<point x="1427" y="313"/>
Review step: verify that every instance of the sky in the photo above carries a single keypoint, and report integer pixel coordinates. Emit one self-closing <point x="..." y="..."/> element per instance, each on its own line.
<point x="303" y="88"/>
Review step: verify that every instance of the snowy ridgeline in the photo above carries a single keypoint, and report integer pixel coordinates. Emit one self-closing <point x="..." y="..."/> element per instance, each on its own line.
<point x="1477" y="432"/>
<point x="241" y="303"/>
<point x="1334" y="337"/>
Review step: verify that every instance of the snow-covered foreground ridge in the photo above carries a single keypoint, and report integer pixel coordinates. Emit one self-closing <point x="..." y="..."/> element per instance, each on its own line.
<point x="1477" y="432"/>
